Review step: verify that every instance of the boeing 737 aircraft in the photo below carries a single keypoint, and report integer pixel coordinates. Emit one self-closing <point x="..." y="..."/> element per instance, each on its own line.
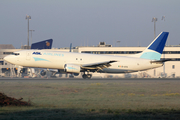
<point x="69" y="62"/>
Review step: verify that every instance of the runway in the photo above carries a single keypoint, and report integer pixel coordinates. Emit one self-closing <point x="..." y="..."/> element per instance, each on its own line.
<point x="84" y="80"/>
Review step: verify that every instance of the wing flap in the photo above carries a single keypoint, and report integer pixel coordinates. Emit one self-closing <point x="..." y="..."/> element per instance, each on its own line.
<point x="98" y="66"/>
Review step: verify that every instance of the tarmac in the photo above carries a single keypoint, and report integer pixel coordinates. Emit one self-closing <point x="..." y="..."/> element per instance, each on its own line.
<point x="82" y="80"/>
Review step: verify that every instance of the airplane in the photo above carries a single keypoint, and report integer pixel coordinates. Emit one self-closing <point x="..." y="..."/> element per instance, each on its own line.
<point x="69" y="62"/>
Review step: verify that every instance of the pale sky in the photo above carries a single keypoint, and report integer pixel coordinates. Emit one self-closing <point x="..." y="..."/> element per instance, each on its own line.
<point x="83" y="22"/>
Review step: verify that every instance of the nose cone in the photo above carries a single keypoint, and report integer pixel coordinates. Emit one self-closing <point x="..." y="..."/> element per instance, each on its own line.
<point x="9" y="58"/>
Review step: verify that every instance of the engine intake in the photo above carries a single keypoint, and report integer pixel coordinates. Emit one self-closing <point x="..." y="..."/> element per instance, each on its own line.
<point x="43" y="72"/>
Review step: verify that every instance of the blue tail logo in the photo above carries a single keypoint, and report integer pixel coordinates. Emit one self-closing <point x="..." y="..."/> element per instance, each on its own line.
<point x="46" y="44"/>
<point x="155" y="49"/>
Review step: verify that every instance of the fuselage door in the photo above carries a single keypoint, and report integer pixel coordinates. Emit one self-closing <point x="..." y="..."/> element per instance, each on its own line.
<point x="28" y="56"/>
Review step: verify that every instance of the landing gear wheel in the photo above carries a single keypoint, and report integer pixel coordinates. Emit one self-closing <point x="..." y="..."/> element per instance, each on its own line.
<point x="87" y="76"/>
<point x="84" y="76"/>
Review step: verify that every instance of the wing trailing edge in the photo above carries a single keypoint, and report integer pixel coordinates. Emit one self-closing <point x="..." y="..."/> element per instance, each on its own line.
<point x="98" y="66"/>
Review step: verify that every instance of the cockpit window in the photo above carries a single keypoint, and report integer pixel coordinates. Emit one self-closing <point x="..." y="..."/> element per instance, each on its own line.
<point x="15" y="53"/>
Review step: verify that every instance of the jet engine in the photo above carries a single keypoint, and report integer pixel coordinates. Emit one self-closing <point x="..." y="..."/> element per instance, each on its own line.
<point x="43" y="72"/>
<point x="72" y="68"/>
<point x="76" y="74"/>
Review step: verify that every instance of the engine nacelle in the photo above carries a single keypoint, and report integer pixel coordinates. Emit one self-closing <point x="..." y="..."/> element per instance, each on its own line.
<point x="76" y="74"/>
<point x="72" y="68"/>
<point x="43" y="72"/>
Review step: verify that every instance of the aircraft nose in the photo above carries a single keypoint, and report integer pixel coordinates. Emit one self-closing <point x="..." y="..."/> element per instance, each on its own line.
<point x="8" y="58"/>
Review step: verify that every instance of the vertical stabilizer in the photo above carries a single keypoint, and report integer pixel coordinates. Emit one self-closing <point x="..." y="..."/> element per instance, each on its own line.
<point x="155" y="49"/>
<point x="70" y="47"/>
<point x="45" y="44"/>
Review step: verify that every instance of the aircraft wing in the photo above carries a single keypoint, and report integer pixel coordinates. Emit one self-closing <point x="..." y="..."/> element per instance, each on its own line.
<point x="161" y="61"/>
<point x="97" y="66"/>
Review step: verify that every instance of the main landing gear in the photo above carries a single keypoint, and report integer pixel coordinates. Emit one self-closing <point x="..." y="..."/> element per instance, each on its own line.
<point x="87" y="76"/>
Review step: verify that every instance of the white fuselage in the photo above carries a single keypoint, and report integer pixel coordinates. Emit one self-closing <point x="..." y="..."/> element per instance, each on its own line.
<point x="56" y="60"/>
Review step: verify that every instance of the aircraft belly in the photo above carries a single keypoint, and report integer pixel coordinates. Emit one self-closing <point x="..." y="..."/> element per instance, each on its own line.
<point x="113" y="70"/>
<point x="133" y="66"/>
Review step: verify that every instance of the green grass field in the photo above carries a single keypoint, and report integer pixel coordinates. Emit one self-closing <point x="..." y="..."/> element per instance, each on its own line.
<point x="123" y="99"/>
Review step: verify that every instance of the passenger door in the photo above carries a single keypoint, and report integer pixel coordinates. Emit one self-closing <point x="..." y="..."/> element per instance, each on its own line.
<point x="28" y="56"/>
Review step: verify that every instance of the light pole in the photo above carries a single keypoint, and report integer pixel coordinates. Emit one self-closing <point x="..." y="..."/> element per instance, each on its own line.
<point x="31" y="35"/>
<point x="154" y="20"/>
<point x="28" y="18"/>
<point x="163" y="18"/>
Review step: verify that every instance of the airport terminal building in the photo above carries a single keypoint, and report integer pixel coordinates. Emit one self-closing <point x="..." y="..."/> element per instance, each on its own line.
<point x="170" y="68"/>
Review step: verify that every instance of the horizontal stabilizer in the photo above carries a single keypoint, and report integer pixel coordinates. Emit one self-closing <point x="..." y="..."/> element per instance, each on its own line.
<point x="161" y="61"/>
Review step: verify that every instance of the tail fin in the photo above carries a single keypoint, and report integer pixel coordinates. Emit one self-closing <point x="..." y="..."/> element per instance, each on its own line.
<point x="70" y="47"/>
<point x="45" y="44"/>
<point x="155" y="49"/>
